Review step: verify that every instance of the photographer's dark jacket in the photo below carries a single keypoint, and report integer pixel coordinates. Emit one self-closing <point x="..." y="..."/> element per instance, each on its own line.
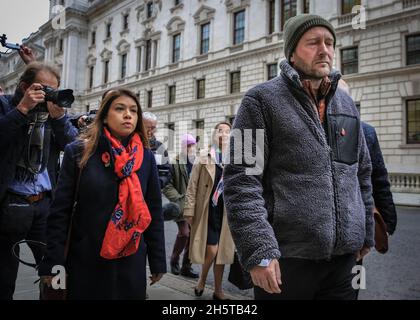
<point x="13" y="132"/>
<point x="91" y="276"/>
<point x="381" y="187"/>
<point x="312" y="197"/>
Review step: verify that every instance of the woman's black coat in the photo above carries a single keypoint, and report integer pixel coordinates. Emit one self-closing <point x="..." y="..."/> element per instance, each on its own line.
<point x="91" y="276"/>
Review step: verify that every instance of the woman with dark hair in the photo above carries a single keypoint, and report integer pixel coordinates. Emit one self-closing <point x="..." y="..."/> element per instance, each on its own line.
<point x="210" y="241"/>
<point x="118" y="218"/>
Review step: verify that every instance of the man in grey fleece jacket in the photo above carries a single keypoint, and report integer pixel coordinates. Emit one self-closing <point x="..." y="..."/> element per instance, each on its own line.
<point x="300" y="225"/>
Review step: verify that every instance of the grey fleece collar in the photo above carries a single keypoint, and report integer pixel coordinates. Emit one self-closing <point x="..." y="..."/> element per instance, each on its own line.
<point x="294" y="76"/>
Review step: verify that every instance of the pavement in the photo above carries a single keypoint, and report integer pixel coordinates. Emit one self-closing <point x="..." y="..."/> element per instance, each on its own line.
<point x="393" y="276"/>
<point x="170" y="287"/>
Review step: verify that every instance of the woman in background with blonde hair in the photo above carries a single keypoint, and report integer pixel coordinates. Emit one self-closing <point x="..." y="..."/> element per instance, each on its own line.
<point x="118" y="220"/>
<point x="210" y="239"/>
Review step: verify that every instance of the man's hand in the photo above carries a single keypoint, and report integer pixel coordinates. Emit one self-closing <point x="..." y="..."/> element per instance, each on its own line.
<point x="55" y="111"/>
<point x="362" y="253"/>
<point x="155" y="277"/>
<point x="26" y="54"/>
<point x="33" y="95"/>
<point x="267" y="278"/>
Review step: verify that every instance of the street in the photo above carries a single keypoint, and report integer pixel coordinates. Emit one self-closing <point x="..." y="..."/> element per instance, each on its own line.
<point x="395" y="275"/>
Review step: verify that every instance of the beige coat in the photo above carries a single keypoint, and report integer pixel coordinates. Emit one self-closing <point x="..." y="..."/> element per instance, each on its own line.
<point x="197" y="206"/>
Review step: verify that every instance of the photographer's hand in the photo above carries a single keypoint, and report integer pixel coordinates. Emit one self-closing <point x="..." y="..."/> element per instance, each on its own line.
<point x="55" y="111"/>
<point x="26" y="54"/>
<point x="33" y="95"/>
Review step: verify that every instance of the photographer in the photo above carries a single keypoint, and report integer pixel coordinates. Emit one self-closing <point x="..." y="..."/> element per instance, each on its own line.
<point x="82" y="121"/>
<point x="33" y="131"/>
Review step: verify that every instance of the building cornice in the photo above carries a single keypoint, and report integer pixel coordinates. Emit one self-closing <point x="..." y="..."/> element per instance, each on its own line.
<point x="385" y="20"/>
<point x="415" y="69"/>
<point x="99" y="8"/>
<point x="229" y="99"/>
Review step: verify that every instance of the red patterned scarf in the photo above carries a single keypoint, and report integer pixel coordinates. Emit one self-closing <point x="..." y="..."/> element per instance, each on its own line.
<point x="131" y="216"/>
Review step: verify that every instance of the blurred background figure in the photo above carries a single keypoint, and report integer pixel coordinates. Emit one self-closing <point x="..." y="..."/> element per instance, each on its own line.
<point x="211" y="242"/>
<point x="175" y="191"/>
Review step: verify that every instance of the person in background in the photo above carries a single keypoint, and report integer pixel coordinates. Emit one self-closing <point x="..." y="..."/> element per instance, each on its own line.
<point x="382" y="194"/>
<point x="158" y="148"/>
<point x="211" y="242"/>
<point x="175" y="192"/>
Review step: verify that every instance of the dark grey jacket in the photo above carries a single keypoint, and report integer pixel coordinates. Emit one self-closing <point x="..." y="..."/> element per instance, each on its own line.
<point x="313" y="199"/>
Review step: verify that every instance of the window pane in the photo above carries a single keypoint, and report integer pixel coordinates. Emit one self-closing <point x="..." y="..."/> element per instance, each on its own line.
<point x="347" y="5"/>
<point x="172" y="93"/>
<point x="413" y="121"/>
<point x="91" y="77"/>
<point x="149" y="9"/>
<point x="235" y="82"/>
<point x="272" y="71"/>
<point x="123" y="65"/>
<point x="106" y="71"/>
<point x="349" y="60"/>
<point x="239" y="27"/>
<point x="176" y="48"/>
<point x="413" y="49"/>
<point x="148" y="54"/>
<point x="205" y="38"/>
<point x="306" y="4"/>
<point x="201" y="88"/>
<point x="272" y="13"/>
<point x="288" y="9"/>
<point x="125" y="24"/>
<point x="149" y="98"/>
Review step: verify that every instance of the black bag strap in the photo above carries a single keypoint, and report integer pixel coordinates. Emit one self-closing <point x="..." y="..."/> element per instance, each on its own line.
<point x="42" y="244"/>
<point x="73" y="211"/>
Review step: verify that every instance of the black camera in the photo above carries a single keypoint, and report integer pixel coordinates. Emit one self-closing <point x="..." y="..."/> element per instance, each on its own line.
<point x="62" y="98"/>
<point x="90" y="117"/>
<point x="3" y="39"/>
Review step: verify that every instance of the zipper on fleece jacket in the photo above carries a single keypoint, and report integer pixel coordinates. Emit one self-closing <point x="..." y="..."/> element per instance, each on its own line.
<point x="324" y="134"/>
<point x="333" y="140"/>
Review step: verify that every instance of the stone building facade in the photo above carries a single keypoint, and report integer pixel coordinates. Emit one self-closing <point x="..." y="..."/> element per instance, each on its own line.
<point x="191" y="61"/>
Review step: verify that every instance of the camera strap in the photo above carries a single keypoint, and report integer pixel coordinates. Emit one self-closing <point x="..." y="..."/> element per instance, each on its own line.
<point x="37" y="144"/>
<point x="29" y="242"/>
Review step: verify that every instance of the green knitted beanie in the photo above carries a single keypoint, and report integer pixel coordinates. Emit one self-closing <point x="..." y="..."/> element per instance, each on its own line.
<point x="296" y="26"/>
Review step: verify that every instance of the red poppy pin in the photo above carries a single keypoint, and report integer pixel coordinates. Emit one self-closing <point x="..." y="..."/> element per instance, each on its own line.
<point x="106" y="159"/>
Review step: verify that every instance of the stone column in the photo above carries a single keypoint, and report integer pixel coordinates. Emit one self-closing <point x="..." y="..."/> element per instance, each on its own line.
<point x="299" y="8"/>
<point x="277" y="16"/>
<point x="152" y="58"/>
